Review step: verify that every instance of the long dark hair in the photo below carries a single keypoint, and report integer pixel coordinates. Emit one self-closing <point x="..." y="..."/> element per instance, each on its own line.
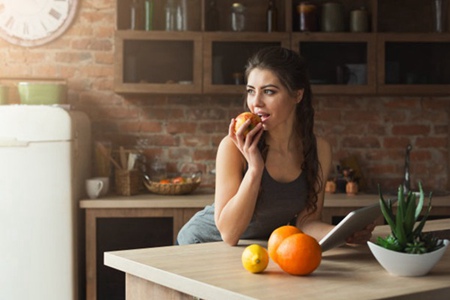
<point x="291" y="70"/>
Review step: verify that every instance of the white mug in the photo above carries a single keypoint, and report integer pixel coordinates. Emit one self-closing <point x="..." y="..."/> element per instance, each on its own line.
<point x="94" y="188"/>
<point x="105" y="187"/>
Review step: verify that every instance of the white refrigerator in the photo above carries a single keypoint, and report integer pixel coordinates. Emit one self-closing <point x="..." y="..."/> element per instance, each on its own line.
<point x="45" y="154"/>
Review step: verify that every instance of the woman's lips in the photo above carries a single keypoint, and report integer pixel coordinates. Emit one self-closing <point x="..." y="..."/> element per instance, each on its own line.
<point x="263" y="117"/>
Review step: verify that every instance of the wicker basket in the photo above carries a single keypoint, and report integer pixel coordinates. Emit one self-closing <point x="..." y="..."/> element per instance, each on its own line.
<point x="172" y="188"/>
<point x="127" y="182"/>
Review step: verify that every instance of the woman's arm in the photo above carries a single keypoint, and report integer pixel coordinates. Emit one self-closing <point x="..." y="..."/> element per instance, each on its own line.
<point x="236" y="192"/>
<point x="313" y="224"/>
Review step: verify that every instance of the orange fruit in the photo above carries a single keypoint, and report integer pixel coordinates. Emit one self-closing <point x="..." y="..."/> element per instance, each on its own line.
<point x="240" y="120"/>
<point x="178" y="179"/>
<point x="255" y="258"/>
<point x="277" y="236"/>
<point x="299" y="254"/>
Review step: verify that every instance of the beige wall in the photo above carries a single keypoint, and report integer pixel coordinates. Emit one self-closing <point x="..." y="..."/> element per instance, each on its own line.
<point x="189" y="128"/>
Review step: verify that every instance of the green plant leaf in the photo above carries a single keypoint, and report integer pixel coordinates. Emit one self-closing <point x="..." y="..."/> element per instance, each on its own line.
<point x="409" y="218"/>
<point x="419" y="227"/>
<point x="386" y="210"/>
<point x="400" y="233"/>
<point x="421" y="200"/>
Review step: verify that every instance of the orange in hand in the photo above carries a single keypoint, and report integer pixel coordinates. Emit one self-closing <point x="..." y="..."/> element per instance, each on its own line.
<point x="243" y="117"/>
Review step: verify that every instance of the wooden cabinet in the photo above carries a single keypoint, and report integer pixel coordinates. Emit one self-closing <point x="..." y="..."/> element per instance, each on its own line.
<point x="117" y="223"/>
<point x="400" y="54"/>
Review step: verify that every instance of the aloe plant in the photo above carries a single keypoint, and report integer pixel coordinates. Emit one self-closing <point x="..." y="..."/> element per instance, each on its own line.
<point x="406" y="229"/>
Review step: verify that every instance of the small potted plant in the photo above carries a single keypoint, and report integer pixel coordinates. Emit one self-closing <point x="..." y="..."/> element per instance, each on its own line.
<point x="407" y="251"/>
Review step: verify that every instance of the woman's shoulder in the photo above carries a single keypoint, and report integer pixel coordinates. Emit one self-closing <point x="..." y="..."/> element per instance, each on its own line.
<point x="229" y="152"/>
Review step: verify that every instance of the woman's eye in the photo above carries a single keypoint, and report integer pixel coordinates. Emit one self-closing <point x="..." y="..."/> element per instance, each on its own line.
<point x="269" y="92"/>
<point x="250" y="91"/>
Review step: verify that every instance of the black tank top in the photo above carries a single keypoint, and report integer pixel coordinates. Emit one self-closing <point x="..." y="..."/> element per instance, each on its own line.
<point x="277" y="204"/>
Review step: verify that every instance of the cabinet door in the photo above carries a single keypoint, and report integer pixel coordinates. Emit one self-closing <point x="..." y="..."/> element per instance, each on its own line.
<point x="414" y="63"/>
<point x="225" y="56"/>
<point x="158" y="62"/>
<point x="119" y="233"/>
<point x="341" y="63"/>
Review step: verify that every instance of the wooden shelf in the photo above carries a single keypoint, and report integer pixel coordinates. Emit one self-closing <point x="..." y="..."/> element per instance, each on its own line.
<point x="203" y="62"/>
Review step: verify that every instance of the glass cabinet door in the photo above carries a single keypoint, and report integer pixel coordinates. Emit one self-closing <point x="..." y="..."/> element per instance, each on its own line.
<point x="339" y="65"/>
<point x="226" y="54"/>
<point x="158" y="63"/>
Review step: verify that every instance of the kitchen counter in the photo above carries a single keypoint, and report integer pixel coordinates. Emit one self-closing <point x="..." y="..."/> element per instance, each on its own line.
<point x="182" y="207"/>
<point x="335" y="204"/>
<point x="214" y="271"/>
<point x="203" y="197"/>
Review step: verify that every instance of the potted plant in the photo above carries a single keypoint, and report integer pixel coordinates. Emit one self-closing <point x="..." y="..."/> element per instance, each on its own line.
<point x="407" y="251"/>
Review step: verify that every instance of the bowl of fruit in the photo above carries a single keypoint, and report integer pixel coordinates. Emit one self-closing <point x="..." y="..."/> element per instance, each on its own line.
<point x="177" y="185"/>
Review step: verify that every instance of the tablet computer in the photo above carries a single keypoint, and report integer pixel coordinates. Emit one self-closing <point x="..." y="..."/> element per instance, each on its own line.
<point x="354" y="221"/>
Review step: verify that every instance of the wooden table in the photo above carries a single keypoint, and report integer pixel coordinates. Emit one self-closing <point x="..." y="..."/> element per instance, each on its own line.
<point x="182" y="208"/>
<point x="214" y="271"/>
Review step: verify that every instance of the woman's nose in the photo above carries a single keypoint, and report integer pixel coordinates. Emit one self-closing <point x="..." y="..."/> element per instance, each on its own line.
<point x="258" y="99"/>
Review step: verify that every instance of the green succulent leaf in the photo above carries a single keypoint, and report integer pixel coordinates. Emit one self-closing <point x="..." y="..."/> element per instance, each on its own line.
<point x="421" y="200"/>
<point x="390" y="242"/>
<point x="386" y="210"/>
<point x="399" y="232"/>
<point x="409" y="218"/>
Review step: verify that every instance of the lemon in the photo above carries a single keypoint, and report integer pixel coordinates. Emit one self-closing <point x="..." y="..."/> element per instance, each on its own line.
<point x="255" y="258"/>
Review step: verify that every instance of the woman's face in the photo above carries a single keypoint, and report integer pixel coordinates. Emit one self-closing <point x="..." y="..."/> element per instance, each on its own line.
<point x="269" y="99"/>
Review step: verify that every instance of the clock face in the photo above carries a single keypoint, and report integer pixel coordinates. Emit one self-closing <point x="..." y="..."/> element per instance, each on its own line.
<point x="35" y="22"/>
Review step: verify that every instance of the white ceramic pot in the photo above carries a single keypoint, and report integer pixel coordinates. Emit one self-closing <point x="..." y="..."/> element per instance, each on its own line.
<point x="404" y="264"/>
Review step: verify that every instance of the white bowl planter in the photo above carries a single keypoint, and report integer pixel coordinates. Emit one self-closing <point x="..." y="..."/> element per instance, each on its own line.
<point x="404" y="264"/>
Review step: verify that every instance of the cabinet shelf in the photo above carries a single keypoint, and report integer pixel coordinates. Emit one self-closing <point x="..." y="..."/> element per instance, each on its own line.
<point x="385" y="60"/>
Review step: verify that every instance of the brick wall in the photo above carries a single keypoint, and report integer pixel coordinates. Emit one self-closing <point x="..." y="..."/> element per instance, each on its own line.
<point x="181" y="129"/>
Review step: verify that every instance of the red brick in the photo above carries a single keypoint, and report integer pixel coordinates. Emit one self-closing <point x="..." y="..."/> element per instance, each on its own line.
<point x="396" y="142"/>
<point x="200" y="154"/>
<point x="181" y="127"/>
<point x="150" y="126"/>
<point x="432" y="142"/>
<point x="361" y="142"/>
<point x="411" y="129"/>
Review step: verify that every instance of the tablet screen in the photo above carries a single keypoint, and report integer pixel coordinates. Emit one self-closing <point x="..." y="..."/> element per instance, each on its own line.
<point x="354" y="221"/>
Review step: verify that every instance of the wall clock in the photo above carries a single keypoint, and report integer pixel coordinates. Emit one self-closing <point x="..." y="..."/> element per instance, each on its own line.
<point x="31" y="23"/>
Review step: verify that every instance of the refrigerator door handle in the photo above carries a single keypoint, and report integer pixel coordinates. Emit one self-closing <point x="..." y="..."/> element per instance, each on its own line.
<point x="12" y="142"/>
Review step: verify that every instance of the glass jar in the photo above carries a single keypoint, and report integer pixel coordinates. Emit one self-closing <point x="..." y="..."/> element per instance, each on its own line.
<point x="237" y="17"/>
<point x="158" y="170"/>
<point x="212" y="17"/>
<point x="136" y="16"/>
<point x="272" y="17"/>
<point x="171" y="15"/>
<point x="307" y="16"/>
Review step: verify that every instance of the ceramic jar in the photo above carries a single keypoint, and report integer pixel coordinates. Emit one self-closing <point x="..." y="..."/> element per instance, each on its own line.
<point x="359" y="20"/>
<point x="332" y="17"/>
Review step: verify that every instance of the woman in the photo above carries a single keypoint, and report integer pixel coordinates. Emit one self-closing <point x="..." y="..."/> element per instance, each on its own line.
<point x="275" y="174"/>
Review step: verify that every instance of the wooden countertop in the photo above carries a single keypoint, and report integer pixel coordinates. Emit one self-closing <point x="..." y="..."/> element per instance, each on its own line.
<point x="214" y="271"/>
<point x="203" y="197"/>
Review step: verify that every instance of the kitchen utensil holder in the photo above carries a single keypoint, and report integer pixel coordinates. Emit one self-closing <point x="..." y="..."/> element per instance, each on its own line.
<point x="127" y="182"/>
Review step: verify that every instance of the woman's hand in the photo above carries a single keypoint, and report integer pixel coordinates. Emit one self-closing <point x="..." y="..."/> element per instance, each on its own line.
<point x="247" y="145"/>
<point x="362" y="236"/>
